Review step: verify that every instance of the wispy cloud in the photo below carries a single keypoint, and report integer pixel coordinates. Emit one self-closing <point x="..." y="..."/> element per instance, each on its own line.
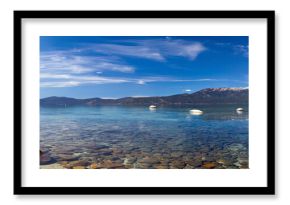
<point x="133" y="51"/>
<point x="61" y="80"/>
<point x="91" y="63"/>
<point x="242" y="49"/>
<point x="70" y="62"/>
<point x="68" y="80"/>
<point x="70" y="69"/>
<point x="59" y="84"/>
<point x="238" y="49"/>
<point x="153" y="49"/>
<point x="141" y="82"/>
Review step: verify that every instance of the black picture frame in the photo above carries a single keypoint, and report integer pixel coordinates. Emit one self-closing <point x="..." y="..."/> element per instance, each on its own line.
<point x="268" y="190"/>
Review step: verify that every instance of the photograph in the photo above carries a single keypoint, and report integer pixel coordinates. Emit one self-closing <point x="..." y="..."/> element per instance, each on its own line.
<point x="144" y="102"/>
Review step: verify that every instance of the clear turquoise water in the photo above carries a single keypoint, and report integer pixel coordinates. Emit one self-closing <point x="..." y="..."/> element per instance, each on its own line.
<point x="135" y="137"/>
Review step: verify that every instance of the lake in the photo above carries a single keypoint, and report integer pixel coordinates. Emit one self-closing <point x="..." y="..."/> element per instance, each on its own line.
<point x="126" y="137"/>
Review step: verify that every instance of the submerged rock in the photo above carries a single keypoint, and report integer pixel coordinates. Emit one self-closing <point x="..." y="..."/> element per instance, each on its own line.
<point x="108" y="164"/>
<point x="94" y="166"/>
<point x="67" y="157"/>
<point x="130" y="160"/>
<point x="194" y="163"/>
<point x="71" y="165"/>
<point x="177" y="165"/>
<point x="45" y="159"/>
<point x="148" y="160"/>
<point x="142" y="166"/>
<point x="209" y="165"/>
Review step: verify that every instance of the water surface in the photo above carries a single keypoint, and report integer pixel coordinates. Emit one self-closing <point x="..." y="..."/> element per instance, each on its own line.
<point x="136" y="137"/>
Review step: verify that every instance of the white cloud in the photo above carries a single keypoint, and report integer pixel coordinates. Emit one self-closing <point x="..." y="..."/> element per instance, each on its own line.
<point x="74" y="68"/>
<point x="54" y="76"/>
<point x="113" y="67"/>
<point x="181" y="48"/>
<point x="157" y="50"/>
<point x="49" y="80"/>
<point x="72" y="80"/>
<point x="187" y="90"/>
<point x="135" y="51"/>
<point x="68" y="62"/>
<point x="141" y="82"/>
<point x="59" y="84"/>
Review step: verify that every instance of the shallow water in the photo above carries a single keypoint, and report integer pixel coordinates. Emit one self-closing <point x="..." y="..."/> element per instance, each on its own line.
<point x="136" y="137"/>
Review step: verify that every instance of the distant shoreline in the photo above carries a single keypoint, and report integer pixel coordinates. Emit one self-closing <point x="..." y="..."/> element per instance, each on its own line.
<point x="202" y="97"/>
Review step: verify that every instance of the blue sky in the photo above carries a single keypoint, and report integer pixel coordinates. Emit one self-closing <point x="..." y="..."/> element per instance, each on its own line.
<point x="121" y="66"/>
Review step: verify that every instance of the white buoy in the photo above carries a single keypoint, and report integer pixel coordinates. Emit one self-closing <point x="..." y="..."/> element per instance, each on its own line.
<point x="240" y="110"/>
<point x="196" y="112"/>
<point x="152" y="107"/>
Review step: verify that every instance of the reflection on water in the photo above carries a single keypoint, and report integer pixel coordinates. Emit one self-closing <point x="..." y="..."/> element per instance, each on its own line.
<point x="136" y="137"/>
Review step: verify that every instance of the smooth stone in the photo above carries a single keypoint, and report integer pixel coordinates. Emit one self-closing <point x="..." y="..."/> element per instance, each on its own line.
<point x="130" y="160"/>
<point x="129" y="166"/>
<point x="72" y="164"/>
<point x="148" y="160"/>
<point x="77" y="154"/>
<point x="63" y="163"/>
<point x="188" y="167"/>
<point x="177" y="165"/>
<point x="220" y="166"/>
<point x="112" y="165"/>
<point x="142" y="166"/>
<point x="45" y="159"/>
<point x="94" y="166"/>
<point x="241" y="164"/>
<point x="165" y="160"/>
<point x="194" y="163"/>
<point x="209" y="165"/>
<point x="224" y="162"/>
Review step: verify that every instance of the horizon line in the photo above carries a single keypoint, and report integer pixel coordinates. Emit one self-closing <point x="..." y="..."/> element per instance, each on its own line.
<point x="111" y="98"/>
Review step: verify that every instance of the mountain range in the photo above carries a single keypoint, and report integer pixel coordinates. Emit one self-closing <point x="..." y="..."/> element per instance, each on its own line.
<point x="204" y="96"/>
